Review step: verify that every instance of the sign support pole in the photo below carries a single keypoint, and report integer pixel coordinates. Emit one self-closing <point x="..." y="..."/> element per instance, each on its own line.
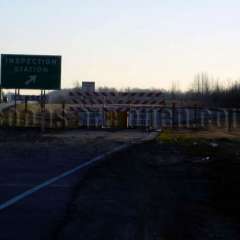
<point x="15" y="107"/>
<point x="44" y="100"/>
<point x="25" y="110"/>
<point x="63" y="115"/>
<point x="42" y="111"/>
<point x="26" y="105"/>
<point x="41" y="101"/>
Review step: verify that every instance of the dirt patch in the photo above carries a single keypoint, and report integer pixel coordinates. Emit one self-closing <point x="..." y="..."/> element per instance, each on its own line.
<point x="205" y="133"/>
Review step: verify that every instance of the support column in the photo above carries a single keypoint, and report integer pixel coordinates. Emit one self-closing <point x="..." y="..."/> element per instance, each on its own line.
<point x="155" y="119"/>
<point x="138" y="118"/>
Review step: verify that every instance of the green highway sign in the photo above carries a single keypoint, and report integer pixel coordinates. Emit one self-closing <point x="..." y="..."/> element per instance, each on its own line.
<point x="30" y="71"/>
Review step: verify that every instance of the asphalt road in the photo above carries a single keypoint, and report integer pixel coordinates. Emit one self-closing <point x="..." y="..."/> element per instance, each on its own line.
<point x="29" y="159"/>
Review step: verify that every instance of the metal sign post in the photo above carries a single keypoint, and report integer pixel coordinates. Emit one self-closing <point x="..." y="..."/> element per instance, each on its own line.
<point x="63" y="115"/>
<point x="15" y="108"/>
<point x="43" y="110"/>
<point x="25" y="110"/>
<point x="26" y="105"/>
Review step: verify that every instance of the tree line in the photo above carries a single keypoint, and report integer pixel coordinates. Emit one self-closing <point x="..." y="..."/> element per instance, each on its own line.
<point x="203" y="90"/>
<point x="209" y="91"/>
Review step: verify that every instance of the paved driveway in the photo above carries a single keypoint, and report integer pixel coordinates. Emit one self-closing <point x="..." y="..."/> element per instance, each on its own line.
<point x="29" y="159"/>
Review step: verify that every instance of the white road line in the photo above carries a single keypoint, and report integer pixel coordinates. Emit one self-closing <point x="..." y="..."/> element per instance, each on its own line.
<point x="17" y="185"/>
<point x="29" y="192"/>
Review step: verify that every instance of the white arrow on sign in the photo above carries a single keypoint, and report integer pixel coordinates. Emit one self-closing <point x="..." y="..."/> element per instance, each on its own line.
<point x="32" y="79"/>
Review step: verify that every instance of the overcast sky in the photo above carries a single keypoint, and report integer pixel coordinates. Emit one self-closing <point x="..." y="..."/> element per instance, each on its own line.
<point x="127" y="43"/>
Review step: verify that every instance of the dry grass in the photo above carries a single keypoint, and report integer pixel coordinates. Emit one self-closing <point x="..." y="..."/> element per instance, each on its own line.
<point x="191" y="134"/>
<point x="35" y="107"/>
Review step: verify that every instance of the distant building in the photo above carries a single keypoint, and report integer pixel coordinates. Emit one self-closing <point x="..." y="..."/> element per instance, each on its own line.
<point x="88" y="86"/>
